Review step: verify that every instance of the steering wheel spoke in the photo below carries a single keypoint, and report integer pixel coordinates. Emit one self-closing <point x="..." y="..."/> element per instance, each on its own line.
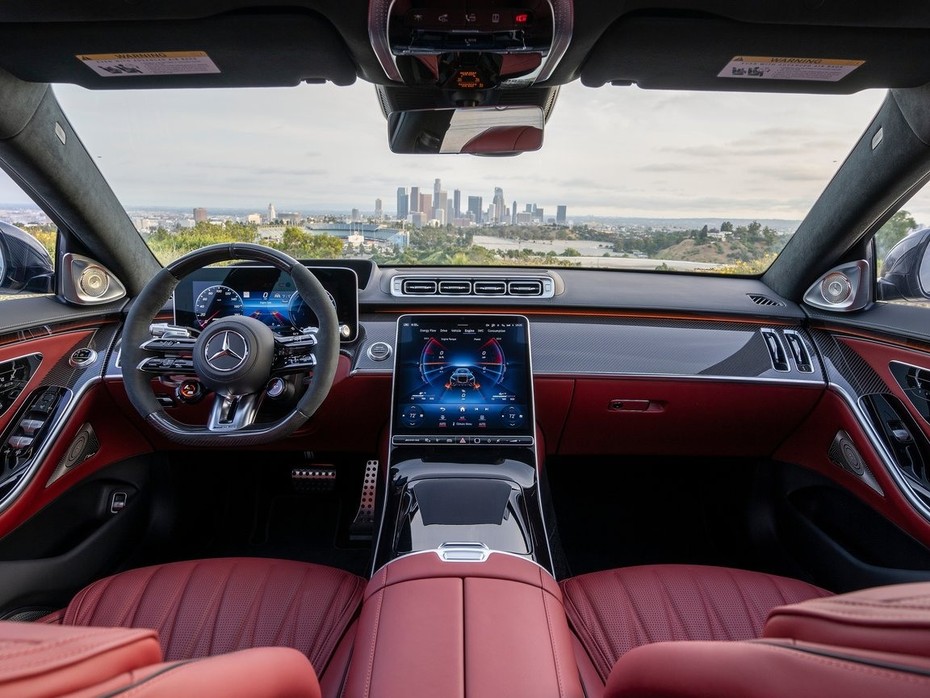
<point x="233" y="412"/>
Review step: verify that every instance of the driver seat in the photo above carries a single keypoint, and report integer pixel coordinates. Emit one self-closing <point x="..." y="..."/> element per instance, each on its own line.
<point x="208" y="607"/>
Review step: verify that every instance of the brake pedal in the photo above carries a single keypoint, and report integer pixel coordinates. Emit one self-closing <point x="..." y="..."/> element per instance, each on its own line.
<point x="362" y="527"/>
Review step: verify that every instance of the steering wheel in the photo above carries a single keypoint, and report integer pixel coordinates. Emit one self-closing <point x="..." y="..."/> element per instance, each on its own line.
<point x="235" y="357"/>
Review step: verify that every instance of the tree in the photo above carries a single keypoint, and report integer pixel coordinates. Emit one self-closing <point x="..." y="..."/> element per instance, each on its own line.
<point x="895" y="229"/>
<point x="726" y="227"/>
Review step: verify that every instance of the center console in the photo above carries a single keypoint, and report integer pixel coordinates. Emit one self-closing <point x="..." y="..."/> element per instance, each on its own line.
<point x="462" y="466"/>
<point x="462" y="600"/>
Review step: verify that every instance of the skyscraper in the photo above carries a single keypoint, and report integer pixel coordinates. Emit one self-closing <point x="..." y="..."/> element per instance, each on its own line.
<point x="414" y="202"/>
<point x="498" y="204"/>
<point x="513" y="213"/>
<point x="379" y="210"/>
<point x="402" y="203"/>
<point x="457" y="203"/>
<point x="439" y="205"/>
<point x="561" y="215"/>
<point x="426" y="205"/>
<point x="475" y="205"/>
<point x="272" y="215"/>
<point x="437" y="187"/>
<point x="200" y="215"/>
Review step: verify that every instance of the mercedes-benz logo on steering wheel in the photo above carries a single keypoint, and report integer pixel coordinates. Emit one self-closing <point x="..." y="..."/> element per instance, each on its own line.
<point x="226" y="351"/>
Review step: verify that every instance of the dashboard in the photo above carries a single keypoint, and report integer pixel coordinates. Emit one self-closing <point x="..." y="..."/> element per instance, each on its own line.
<point x="266" y="294"/>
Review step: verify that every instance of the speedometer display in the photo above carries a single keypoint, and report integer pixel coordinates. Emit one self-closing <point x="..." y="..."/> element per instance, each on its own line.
<point x="215" y="302"/>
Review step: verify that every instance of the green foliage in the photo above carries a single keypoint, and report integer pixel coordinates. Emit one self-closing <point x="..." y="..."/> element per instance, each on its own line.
<point x="301" y="244"/>
<point x="168" y="246"/>
<point x="47" y="235"/>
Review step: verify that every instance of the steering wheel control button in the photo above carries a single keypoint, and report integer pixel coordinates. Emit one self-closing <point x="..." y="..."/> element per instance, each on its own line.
<point x="189" y="392"/>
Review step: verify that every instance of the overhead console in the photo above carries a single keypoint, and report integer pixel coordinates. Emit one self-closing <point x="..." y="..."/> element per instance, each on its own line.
<point x="463" y="440"/>
<point x="480" y="44"/>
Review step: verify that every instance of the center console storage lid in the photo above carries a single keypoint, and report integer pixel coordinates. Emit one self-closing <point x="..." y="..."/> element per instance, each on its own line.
<point x="468" y="629"/>
<point x="883" y="619"/>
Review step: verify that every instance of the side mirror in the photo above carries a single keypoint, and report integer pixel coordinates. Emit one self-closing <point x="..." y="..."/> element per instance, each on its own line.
<point x="906" y="269"/>
<point x="25" y="265"/>
<point x="475" y="130"/>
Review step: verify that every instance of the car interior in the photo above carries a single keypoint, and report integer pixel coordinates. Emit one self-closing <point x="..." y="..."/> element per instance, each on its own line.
<point x="236" y="472"/>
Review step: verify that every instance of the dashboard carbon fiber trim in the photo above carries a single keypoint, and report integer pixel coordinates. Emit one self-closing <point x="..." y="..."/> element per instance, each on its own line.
<point x="606" y="346"/>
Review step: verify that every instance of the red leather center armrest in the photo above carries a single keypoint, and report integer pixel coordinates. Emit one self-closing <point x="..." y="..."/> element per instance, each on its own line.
<point x="433" y="628"/>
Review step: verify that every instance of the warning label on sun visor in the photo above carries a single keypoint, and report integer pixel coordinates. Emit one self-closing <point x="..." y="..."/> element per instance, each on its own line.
<point x="111" y="65"/>
<point x="784" y="68"/>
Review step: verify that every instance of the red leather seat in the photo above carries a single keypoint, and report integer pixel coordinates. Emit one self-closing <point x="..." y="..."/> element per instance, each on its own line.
<point x="42" y="661"/>
<point x="614" y="611"/>
<point x="860" y="645"/>
<point x="210" y="607"/>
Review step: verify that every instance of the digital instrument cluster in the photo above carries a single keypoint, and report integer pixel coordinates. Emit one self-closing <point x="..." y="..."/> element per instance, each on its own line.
<point x="463" y="380"/>
<point x="266" y="294"/>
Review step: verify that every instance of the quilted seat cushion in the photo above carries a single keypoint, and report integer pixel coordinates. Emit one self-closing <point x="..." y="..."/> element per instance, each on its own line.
<point x="616" y="610"/>
<point x="207" y="607"/>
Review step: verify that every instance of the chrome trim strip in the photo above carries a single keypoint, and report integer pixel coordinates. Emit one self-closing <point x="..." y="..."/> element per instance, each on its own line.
<point x="878" y="445"/>
<point x="438" y="552"/>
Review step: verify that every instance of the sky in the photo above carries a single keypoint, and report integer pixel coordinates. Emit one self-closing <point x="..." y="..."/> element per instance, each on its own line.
<point x="613" y="151"/>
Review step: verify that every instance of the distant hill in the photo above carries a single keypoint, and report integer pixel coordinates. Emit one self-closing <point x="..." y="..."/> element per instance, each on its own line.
<point x="782" y="225"/>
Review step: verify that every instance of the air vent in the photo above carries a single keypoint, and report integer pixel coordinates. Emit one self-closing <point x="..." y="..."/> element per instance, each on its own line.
<point x="490" y="288"/>
<point x="525" y="288"/>
<point x="454" y="288"/>
<point x="418" y="287"/>
<point x="799" y="351"/>
<point x="776" y="350"/>
<point x="759" y="299"/>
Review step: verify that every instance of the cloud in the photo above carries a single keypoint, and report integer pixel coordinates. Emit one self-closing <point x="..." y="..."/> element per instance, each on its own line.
<point x="622" y="150"/>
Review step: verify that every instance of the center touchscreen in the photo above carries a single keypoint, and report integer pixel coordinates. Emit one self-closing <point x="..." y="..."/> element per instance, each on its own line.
<point x="463" y="380"/>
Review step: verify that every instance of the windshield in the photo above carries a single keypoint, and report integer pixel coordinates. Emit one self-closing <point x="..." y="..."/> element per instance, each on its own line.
<point x="626" y="178"/>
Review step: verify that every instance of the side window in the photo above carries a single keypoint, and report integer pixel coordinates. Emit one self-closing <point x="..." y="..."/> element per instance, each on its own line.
<point x="902" y="257"/>
<point x="27" y="244"/>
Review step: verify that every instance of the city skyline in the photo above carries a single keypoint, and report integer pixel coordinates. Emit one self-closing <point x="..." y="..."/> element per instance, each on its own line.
<point x="607" y="152"/>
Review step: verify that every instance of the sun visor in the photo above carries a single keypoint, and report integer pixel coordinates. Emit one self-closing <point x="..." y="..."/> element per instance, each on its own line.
<point x="672" y="53"/>
<point x="233" y="50"/>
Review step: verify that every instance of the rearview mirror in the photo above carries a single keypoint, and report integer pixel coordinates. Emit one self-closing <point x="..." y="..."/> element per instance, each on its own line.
<point x="475" y="130"/>
<point x="906" y="269"/>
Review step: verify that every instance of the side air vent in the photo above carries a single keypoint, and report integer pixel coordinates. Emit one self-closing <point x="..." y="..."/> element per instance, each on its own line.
<point x="759" y="299"/>
<point x="417" y="287"/>
<point x="799" y="351"/>
<point x="776" y="350"/>
<point x="523" y="286"/>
